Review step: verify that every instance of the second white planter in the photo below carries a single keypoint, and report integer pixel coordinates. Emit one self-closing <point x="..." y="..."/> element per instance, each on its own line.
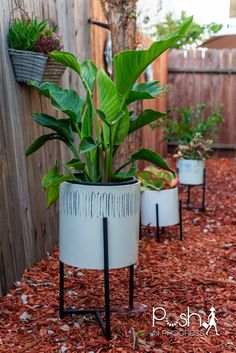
<point x="168" y="207"/>
<point x="191" y="172"/>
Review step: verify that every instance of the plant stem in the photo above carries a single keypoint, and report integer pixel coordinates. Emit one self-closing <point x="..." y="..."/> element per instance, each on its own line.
<point x="76" y="154"/>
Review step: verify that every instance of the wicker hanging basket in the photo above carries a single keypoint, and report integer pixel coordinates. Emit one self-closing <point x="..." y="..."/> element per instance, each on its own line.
<point x="32" y="66"/>
<point x="53" y="71"/>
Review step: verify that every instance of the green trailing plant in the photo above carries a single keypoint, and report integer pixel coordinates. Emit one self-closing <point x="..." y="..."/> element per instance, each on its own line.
<point x="186" y="122"/>
<point x="153" y="178"/>
<point x="24" y="33"/>
<point x="198" y="149"/>
<point x="100" y="129"/>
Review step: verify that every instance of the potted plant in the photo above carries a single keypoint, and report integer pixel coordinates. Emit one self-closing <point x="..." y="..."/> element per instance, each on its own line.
<point x="30" y="41"/>
<point x="90" y="188"/>
<point x="191" y="160"/>
<point x="159" y="187"/>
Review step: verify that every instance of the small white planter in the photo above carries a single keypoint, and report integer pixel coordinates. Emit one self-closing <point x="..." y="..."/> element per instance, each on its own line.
<point x="168" y="207"/>
<point x="82" y="208"/>
<point x="191" y="172"/>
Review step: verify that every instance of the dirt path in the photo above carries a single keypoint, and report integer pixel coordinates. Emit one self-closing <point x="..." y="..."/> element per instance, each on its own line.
<point x="197" y="273"/>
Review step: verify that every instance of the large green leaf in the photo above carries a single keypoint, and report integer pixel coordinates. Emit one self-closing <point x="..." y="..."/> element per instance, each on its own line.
<point x="88" y="72"/>
<point x="146" y="117"/>
<point x="128" y="65"/>
<point x="51" y="182"/>
<point x="149" y="156"/>
<point x="125" y="175"/>
<point x="145" y="90"/>
<point x="40" y="141"/>
<point x="61" y="126"/>
<point x="87" y="144"/>
<point x="67" y="59"/>
<point x="111" y="105"/>
<point x="76" y="164"/>
<point x="66" y="100"/>
<point x="87" y="123"/>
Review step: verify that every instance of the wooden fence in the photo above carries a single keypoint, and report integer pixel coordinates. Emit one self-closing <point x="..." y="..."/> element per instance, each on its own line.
<point x="27" y="230"/>
<point x="206" y="76"/>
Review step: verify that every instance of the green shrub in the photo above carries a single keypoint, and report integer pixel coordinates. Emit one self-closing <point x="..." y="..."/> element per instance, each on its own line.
<point x="188" y="121"/>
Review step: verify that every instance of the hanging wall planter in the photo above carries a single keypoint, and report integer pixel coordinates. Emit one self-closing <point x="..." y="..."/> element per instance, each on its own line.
<point x="191" y="172"/>
<point x="30" y="44"/>
<point x="32" y="66"/>
<point x="82" y="208"/>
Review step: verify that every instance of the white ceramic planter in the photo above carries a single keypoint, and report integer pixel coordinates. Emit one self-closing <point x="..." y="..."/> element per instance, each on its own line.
<point x="191" y="172"/>
<point x="168" y="207"/>
<point x="82" y="208"/>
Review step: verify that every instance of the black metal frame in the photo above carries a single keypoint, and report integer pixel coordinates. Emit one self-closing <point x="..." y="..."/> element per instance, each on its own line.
<point x="163" y="228"/>
<point x="106" y="326"/>
<point x="203" y="185"/>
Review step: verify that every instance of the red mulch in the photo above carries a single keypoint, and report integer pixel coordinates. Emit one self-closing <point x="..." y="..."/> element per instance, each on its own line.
<point x="198" y="273"/>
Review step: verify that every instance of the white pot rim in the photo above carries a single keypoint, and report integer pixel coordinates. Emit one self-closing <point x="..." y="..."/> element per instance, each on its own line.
<point x="190" y="159"/>
<point x="166" y="190"/>
<point x="131" y="181"/>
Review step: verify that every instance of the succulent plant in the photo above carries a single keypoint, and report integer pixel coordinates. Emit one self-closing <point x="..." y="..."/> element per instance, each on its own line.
<point x="153" y="178"/>
<point x="198" y="148"/>
<point x="48" y="41"/>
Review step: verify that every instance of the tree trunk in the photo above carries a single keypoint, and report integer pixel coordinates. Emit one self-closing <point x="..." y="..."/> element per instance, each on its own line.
<point x="121" y="17"/>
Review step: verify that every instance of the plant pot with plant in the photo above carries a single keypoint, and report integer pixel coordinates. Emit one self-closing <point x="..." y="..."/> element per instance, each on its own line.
<point x="30" y="41"/>
<point x="191" y="160"/>
<point x="159" y="187"/>
<point x="94" y="197"/>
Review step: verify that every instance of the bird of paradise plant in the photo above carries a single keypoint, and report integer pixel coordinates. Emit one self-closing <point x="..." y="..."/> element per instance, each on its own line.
<point x="101" y="129"/>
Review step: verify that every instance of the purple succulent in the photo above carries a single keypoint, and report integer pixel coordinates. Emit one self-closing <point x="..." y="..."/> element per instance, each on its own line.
<point x="48" y="43"/>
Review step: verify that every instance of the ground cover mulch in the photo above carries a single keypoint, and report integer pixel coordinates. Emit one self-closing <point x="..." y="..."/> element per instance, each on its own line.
<point x="197" y="273"/>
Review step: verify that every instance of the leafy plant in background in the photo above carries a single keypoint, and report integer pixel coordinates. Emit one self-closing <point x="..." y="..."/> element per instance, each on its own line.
<point x="100" y="130"/>
<point x="198" y="149"/>
<point x="182" y="127"/>
<point x="24" y="33"/>
<point x="153" y="178"/>
<point x="195" y="35"/>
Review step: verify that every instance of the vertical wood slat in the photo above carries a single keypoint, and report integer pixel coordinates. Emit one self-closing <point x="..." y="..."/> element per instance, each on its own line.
<point x="210" y="88"/>
<point x="27" y="229"/>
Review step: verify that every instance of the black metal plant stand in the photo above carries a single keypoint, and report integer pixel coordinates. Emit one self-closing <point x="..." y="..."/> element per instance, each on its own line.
<point x="106" y="326"/>
<point x="203" y="186"/>
<point x="163" y="229"/>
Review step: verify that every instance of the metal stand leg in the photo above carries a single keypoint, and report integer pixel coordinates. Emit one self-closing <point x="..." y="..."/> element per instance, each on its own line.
<point x="106" y="280"/>
<point x="131" y="287"/>
<point x="106" y="327"/>
<point x="140" y="228"/>
<point x="61" y="290"/>
<point x="180" y="221"/>
<point x="203" y="191"/>
<point x="157" y="224"/>
<point x="188" y="201"/>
